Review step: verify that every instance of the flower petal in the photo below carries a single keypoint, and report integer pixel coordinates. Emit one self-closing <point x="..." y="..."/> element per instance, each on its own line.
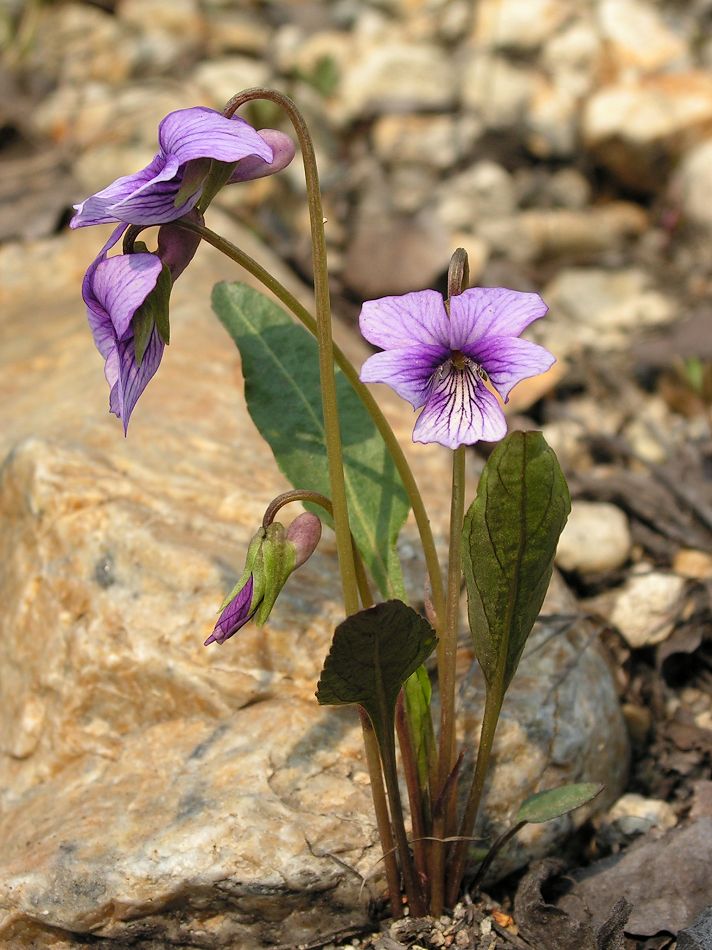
<point x="460" y="411"/>
<point x="509" y="360"/>
<point x="132" y="378"/>
<point x="99" y="208"/>
<point x="121" y="284"/>
<point x="234" y="615"/>
<point x="491" y="311"/>
<point x="406" y="320"/>
<point x="407" y="370"/>
<point x="204" y="133"/>
<point x="255" y="167"/>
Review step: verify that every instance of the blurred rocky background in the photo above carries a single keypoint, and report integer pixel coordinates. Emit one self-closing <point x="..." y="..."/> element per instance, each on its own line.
<point x="567" y="145"/>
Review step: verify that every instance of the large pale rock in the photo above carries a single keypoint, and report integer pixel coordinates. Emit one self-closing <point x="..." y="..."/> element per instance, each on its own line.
<point x="398" y="76"/>
<point x="692" y="185"/>
<point x="596" y="538"/>
<point x="637" y="37"/>
<point x="519" y="24"/>
<point x="599" y="309"/>
<point x="151" y="788"/>
<point x="638" y="128"/>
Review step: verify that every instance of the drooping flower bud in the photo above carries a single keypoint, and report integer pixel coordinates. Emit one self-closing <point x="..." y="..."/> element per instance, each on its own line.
<point x="274" y="553"/>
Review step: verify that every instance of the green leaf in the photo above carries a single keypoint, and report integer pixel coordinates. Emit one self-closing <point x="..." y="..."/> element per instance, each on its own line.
<point x="372" y="654"/>
<point x="417" y="701"/>
<point x="281" y="370"/>
<point x="509" y="541"/>
<point x="544" y="806"/>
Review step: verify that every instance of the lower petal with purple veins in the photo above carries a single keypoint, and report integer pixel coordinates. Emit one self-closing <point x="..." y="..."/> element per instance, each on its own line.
<point x="459" y="410"/>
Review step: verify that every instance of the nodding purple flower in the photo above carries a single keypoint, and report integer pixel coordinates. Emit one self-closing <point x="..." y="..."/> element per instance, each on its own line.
<point x="114" y="291"/>
<point x="448" y="363"/>
<point x="172" y="183"/>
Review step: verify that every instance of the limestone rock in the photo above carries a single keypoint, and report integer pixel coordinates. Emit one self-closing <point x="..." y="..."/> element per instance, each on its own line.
<point x="637" y="37"/>
<point x="152" y="788"/>
<point x="398" y="76"/>
<point x="692" y="185"/>
<point x="519" y="24"/>
<point x="220" y="79"/>
<point x="438" y="141"/>
<point x="496" y="90"/>
<point x="482" y="193"/>
<point x="637" y="128"/>
<point x="596" y="538"/>
<point x="592" y="307"/>
<point x="644" y="609"/>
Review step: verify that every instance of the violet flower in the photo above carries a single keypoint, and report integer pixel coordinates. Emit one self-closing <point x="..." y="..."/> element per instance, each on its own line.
<point x="446" y="362"/>
<point x="171" y="185"/>
<point x="114" y="291"/>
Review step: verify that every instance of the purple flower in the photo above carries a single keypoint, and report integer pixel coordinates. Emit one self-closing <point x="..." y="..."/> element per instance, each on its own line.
<point x="171" y="185"/>
<point x="114" y="291"/>
<point x="234" y="615"/>
<point x="446" y="363"/>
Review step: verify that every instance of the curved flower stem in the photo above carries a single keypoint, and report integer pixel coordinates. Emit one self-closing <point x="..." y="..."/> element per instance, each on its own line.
<point x="330" y="406"/>
<point x="316" y="498"/>
<point x="399" y="460"/>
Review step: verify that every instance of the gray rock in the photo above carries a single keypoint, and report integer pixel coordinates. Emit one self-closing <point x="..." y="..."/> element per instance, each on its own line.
<point x="596" y="538"/>
<point x="699" y="935"/>
<point x="541" y="725"/>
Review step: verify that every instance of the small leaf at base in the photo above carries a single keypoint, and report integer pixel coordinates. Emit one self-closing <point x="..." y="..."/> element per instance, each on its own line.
<point x="555" y="802"/>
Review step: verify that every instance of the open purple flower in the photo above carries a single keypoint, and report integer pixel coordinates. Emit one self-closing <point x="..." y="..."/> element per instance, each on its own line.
<point x="171" y="185"/>
<point x="444" y="362"/>
<point x="114" y="290"/>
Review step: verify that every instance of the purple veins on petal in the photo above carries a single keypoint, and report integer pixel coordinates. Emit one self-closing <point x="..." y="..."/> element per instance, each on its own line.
<point x="236" y="613"/>
<point x="149" y="195"/>
<point x="459" y="410"/>
<point x="446" y="362"/>
<point x="114" y="288"/>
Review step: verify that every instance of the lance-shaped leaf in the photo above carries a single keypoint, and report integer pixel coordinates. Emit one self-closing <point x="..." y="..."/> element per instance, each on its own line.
<point x="509" y="541"/>
<point x="555" y="802"/>
<point x="372" y="654"/>
<point x="281" y="369"/>
<point x="540" y="807"/>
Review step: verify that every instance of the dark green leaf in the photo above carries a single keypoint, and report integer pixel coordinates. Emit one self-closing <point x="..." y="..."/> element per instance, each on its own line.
<point x="543" y="806"/>
<point x="509" y="541"/>
<point x="281" y="370"/>
<point x="372" y="654"/>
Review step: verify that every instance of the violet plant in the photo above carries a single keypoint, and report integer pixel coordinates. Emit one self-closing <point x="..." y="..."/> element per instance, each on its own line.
<point x="457" y="360"/>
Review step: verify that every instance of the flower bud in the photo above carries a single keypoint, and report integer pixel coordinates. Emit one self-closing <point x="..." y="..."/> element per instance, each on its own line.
<point x="272" y="556"/>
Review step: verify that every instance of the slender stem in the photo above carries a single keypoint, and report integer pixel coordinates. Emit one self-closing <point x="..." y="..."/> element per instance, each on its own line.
<point x="380" y="806"/>
<point x="410" y="771"/>
<point x="390" y="772"/>
<point x="493" y="852"/>
<point x="493" y="705"/>
<point x="332" y="429"/>
<point x="401" y="463"/>
<point x="446" y="668"/>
